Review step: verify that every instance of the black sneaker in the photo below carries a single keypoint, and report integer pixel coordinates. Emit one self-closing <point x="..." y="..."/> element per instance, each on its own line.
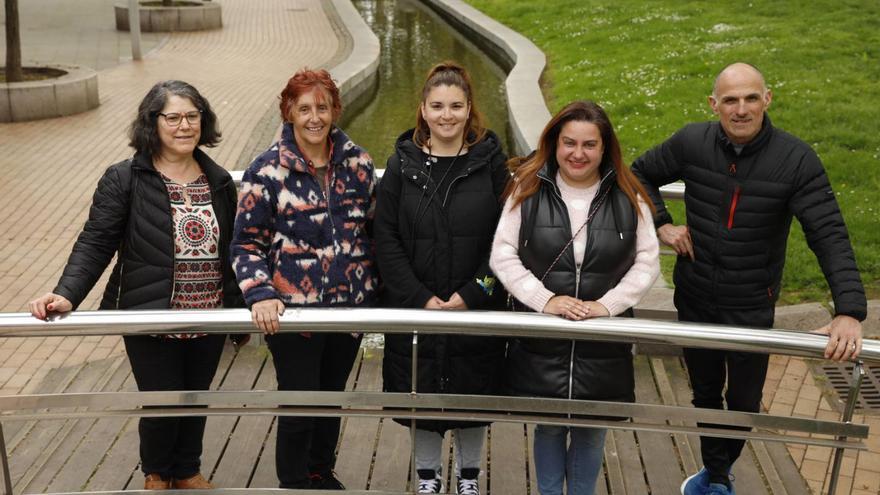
<point x="429" y="481"/>
<point x="326" y="481"/>
<point x="468" y="483"/>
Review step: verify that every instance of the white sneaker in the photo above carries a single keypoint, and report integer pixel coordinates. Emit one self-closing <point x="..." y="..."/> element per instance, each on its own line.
<point x="430" y="481"/>
<point x="468" y="483"/>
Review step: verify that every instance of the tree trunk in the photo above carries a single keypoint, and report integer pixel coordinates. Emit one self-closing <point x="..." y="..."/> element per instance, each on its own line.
<point x="13" y="43"/>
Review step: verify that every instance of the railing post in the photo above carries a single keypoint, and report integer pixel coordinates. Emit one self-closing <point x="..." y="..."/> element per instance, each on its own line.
<point x="413" y="473"/>
<point x="855" y="387"/>
<point x="4" y="460"/>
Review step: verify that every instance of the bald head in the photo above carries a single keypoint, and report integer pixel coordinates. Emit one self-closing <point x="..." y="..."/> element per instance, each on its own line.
<point x="739" y="71"/>
<point x="739" y="99"/>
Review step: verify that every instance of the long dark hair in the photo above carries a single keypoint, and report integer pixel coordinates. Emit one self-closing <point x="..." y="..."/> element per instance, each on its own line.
<point x="143" y="134"/>
<point x="450" y="73"/>
<point x="525" y="170"/>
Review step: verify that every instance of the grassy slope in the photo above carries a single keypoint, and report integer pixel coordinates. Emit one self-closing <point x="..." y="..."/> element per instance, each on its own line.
<point x="651" y="65"/>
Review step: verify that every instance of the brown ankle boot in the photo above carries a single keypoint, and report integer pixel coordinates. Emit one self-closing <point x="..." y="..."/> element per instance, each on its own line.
<point x="197" y="482"/>
<point x="155" y="482"/>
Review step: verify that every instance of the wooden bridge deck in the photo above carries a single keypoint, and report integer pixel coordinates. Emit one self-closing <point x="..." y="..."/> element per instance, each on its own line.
<point x="102" y="454"/>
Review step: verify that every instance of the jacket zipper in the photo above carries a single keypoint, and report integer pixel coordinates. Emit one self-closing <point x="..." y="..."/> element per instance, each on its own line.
<point x="448" y="189"/>
<point x="326" y="196"/>
<point x="119" y="287"/>
<point x="733" y="203"/>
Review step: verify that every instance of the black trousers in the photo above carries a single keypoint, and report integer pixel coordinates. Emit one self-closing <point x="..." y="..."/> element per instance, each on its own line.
<point x="321" y="361"/>
<point x="709" y="370"/>
<point x="172" y="447"/>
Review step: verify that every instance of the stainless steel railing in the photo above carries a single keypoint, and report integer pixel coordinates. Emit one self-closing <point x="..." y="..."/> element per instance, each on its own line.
<point x="839" y="435"/>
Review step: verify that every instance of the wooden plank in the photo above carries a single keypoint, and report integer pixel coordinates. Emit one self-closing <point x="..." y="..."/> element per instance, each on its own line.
<point x="119" y="464"/>
<point x="771" y="475"/>
<point x="507" y="458"/>
<point x="667" y="397"/>
<point x="242" y="374"/>
<point x="630" y="463"/>
<point x="358" y="440"/>
<point x="613" y="466"/>
<point x="391" y="465"/>
<point x="242" y="452"/>
<point x="657" y="449"/>
<point x="30" y="455"/>
<point x="264" y="475"/>
<point x="789" y="473"/>
<point x="95" y="443"/>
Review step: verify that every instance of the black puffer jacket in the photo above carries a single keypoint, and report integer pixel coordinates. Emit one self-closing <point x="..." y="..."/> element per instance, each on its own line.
<point x="131" y="214"/>
<point x="443" y="251"/>
<point x="739" y="211"/>
<point x="563" y="368"/>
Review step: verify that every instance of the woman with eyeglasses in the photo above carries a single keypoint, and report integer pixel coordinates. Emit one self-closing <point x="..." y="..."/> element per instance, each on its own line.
<point x="301" y="241"/>
<point x="167" y="214"/>
<point x="436" y="211"/>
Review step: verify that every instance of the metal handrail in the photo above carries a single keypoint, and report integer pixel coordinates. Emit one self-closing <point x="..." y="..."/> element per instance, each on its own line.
<point x="656" y="418"/>
<point x="500" y="323"/>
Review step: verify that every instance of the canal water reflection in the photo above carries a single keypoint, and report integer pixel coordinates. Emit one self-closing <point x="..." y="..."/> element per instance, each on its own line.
<point x="413" y="38"/>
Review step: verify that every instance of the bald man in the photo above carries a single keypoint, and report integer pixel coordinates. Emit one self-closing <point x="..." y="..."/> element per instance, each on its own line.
<point x="745" y="180"/>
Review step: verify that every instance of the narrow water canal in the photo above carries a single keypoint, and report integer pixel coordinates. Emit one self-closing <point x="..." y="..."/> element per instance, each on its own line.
<point x="413" y="38"/>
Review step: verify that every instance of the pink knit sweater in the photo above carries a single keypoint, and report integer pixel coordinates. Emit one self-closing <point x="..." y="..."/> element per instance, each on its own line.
<point x="526" y="287"/>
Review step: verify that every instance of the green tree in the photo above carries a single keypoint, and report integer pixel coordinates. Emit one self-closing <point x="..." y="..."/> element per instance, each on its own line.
<point x="13" y="43"/>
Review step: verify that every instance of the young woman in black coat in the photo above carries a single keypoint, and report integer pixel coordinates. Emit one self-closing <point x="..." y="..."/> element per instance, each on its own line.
<point x="167" y="214"/>
<point x="437" y="208"/>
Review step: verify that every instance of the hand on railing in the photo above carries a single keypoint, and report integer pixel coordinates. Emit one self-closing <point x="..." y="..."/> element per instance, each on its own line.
<point x="845" y="338"/>
<point x="265" y="315"/>
<point x="48" y="303"/>
<point x="573" y="308"/>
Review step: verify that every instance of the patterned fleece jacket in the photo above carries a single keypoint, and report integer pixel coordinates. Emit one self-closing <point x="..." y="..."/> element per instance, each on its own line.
<point x="294" y="243"/>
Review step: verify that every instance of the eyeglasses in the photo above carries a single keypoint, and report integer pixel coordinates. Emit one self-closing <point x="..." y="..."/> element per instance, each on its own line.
<point x="175" y="119"/>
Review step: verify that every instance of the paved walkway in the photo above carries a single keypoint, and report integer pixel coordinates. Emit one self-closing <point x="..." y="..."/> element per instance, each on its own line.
<point x="78" y="32"/>
<point x="50" y="168"/>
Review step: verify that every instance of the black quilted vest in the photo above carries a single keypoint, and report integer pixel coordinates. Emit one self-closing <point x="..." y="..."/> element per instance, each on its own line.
<point x="563" y="368"/>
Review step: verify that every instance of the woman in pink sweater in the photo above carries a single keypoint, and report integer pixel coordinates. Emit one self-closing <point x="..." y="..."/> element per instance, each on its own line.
<point x="575" y="239"/>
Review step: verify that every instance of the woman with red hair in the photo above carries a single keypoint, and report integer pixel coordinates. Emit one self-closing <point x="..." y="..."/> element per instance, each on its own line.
<point x="300" y="240"/>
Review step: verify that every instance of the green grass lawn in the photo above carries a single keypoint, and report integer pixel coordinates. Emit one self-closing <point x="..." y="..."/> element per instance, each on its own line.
<point x="652" y="64"/>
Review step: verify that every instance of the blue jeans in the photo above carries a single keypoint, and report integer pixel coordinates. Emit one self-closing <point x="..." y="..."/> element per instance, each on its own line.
<point x="578" y="464"/>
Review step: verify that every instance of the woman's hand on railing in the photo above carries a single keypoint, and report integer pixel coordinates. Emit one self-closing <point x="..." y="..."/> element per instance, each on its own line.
<point x="455" y="302"/>
<point x="265" y="315"/>
<point x="434" y="303"/>
<point x="568" y="307"/>
<point x="844" y="338"/>
<point x="48" y="303"/>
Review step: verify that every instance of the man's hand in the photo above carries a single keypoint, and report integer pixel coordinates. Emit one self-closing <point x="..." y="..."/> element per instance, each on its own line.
<point x="265" y="315"/>
<point x="678" y="238"/>
<point x="844" y="338"/>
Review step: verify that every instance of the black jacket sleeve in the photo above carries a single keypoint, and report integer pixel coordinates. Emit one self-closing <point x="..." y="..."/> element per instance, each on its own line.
<point x="488" y="292"/>
<point x="100" y="237"/>
<point x="659" y="166"/>
<point x="399" y="281"/>
<point x="816" y="208"/>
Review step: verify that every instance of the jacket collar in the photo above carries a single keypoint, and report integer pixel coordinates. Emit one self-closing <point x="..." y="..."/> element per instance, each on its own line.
<point x="752" y="146"/>
<point x="292" y="157"/>
<point x="478" y="156"/>
<point x="217" y="176"/>
<point x="550" y="169"/>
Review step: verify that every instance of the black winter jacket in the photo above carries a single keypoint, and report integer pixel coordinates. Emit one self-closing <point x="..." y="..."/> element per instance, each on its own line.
<point x="441" y="250"/>
<point x="739" y="212"/>
<point x="131" y="215"/>
<point x="575" y="369"/>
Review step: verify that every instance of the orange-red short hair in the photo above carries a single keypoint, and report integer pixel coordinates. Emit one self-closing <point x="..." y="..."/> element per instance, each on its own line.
<point x="306" y="80"/>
